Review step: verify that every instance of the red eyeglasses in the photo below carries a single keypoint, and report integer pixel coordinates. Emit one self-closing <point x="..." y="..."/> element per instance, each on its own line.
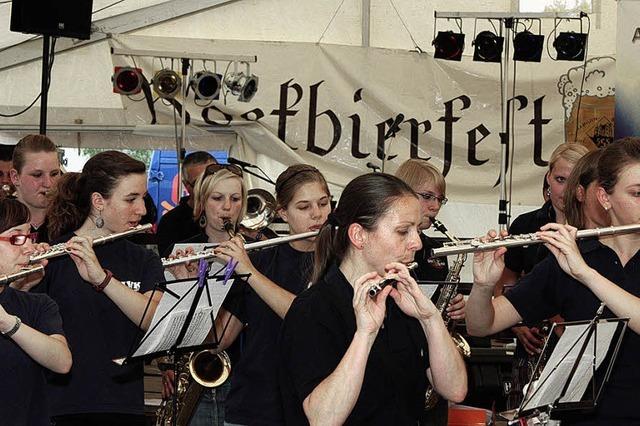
<point x="19" y="239"/>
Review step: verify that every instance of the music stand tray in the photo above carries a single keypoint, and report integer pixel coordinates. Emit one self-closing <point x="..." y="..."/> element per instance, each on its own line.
<point x="570" y="367"/>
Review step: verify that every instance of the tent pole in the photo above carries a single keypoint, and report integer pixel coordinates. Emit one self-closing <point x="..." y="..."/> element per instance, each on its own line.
<point x="182" y="142"/>
<point x="44" y="90"/>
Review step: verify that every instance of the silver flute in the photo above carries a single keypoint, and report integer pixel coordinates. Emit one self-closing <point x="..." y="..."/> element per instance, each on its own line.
<point x="475" y="245"/>
<point x="61" y="249"/>
<point x="8" y="278"/>
<point x="208" y="253"/>
<point x="377" y="287"/>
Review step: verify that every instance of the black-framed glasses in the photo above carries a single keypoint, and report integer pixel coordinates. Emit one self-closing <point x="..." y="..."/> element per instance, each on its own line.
<point x="430" y="196"/>
<point x="19" y="239"/>
<point x="214" y="168"/>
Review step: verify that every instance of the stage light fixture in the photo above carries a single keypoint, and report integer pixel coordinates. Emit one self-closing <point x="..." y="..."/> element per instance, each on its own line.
<point x="488" y="47"/>
<point x="206" y="85"/>
<point x="570" y="46"/>
<point x="166" y="83"/>
<point x="527" y="47"/>
<point x="127" y="80"/>
<point x="242" y="84"/>
<point x="448" y="45"/>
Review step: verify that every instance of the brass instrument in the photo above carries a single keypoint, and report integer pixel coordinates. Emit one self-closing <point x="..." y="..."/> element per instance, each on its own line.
<point x="61" y="249"/>
<point x="447" y="293"/>
<point x="195" y="373"/>
<point x="377" y="287"/>
<point x="208" y="253"/>
<point x="261" y="209"/>
<point x="475" y="245"/>
<point x="8" y="278"/>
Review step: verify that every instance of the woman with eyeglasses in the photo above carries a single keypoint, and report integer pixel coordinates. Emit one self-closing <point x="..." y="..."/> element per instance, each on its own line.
<point x="429" y="184"/>
<point x="102" y="292"/>
<point x="32" y="339"/>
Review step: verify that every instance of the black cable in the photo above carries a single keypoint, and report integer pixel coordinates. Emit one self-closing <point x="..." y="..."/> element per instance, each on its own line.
<point x="106" y="7"/>
<point x="50" y="67"/>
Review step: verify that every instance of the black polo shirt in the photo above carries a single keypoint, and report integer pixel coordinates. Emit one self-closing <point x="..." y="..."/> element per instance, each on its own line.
<point x="316" y="334"/>
<point x="548" y="291"/>
<point x="176" y="225"/>
<point x="521" y="260"/>
<point x="22" y="394"/>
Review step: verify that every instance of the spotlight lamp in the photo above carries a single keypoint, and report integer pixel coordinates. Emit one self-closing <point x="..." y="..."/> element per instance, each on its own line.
<point x="570" y="46"/>
<point x="242" y="84"/>
<point x="527" y="47"/>
<point x="166" y="83"/>
<point x="127" y="80"/>
<point x="206" y="85"/>
<point x="448" y="45"/>
<point x="488" y="47"/>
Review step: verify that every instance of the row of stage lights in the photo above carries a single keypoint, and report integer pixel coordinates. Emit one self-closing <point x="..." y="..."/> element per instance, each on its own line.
<point x="205" y="84"/>
<point x="527" y="46"/>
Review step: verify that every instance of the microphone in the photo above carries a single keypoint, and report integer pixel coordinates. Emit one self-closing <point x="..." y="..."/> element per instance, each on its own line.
<point x="372" y="166"/>
<point x="240" y="163"/>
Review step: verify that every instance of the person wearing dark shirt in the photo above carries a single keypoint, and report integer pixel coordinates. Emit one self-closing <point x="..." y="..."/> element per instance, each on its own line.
<point x="576" y="279"/>
<point x="254" y="309"/>
<point x="102" y="293"/>
<point x="36" y="169"/>
<point x="6" y="186"/>
<point x="347" y="357"/>
<point x="32" y="340"/>
<point x="178" y="223"/>
<point x="429" y="184"/>
<point x="220" y="198"/>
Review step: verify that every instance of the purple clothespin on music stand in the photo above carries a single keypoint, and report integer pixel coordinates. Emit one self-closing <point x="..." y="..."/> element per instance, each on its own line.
<point x="231" y="266"/>
<point x="203" y="267"/>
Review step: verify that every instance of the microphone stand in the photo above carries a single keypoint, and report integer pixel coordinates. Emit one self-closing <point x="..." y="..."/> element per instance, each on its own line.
<point x="264" y="178"/>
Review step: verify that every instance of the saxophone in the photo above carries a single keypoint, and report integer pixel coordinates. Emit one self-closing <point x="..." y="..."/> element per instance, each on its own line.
<point x="447" y="293"/>
<point x="195" y="373"/>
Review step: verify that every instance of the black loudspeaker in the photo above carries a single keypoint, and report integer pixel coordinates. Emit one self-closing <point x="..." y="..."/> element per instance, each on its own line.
<point x="58" y="18"/>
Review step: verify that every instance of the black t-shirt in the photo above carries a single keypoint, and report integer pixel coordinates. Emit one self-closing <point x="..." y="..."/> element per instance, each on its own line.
<point x="548" y="291"/>
<point x="176" y="225"/>
<point x="42" y="232"/>
<point x="98" y="332"/>
<point x="22" y="394"/>
<point x="316" y="334"/>
<point x="254" y="397"/>
<point x="521" y="260"/>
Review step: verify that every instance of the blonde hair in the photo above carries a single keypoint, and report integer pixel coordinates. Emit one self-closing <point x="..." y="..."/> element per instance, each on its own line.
<point x="204" y="187"/>
<point x="417" y="172"/>
<point x="570" y="152"/>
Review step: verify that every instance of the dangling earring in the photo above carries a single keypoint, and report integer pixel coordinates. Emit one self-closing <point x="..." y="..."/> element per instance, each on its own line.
<point x="203" y="221"/>
<point x="99" y="220"/>
<point x="549" y="192"/>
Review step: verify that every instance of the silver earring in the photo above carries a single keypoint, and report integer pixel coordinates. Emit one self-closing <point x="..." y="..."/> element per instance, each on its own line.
<point x="99" y="220"/>
<point x="548" y="192"/>
<point x="203" y="221"/>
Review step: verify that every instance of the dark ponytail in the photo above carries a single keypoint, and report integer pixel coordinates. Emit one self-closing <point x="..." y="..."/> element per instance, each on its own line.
<point x="14" y="213"/>
<point x="364" y="201"/>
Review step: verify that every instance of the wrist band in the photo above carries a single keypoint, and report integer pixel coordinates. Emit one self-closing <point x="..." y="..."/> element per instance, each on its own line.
<point x="104" y="282"/>
<point x="14" y="329"/>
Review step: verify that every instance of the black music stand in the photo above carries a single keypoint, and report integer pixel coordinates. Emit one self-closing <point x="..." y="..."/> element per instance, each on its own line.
<point x="556" y="390"/>
<point x="180" y="340"/>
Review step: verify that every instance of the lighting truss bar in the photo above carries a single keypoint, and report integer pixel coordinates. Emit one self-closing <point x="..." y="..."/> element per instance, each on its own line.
<point x="183" y="55"/>
<point x="506" y="15"/>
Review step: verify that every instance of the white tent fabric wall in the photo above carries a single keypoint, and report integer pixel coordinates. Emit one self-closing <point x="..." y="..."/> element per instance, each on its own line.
<point x="284" y="36"/>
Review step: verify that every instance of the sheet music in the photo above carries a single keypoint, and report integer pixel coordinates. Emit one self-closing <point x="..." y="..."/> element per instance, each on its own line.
<point x="172" y="312"/>
<point x="554" y="376"/>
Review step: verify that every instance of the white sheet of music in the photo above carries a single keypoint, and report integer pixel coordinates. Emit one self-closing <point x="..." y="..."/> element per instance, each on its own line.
<point x="428" y="289"/>
<point x="172" y="311"/>
<point x="553" y="385"/>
